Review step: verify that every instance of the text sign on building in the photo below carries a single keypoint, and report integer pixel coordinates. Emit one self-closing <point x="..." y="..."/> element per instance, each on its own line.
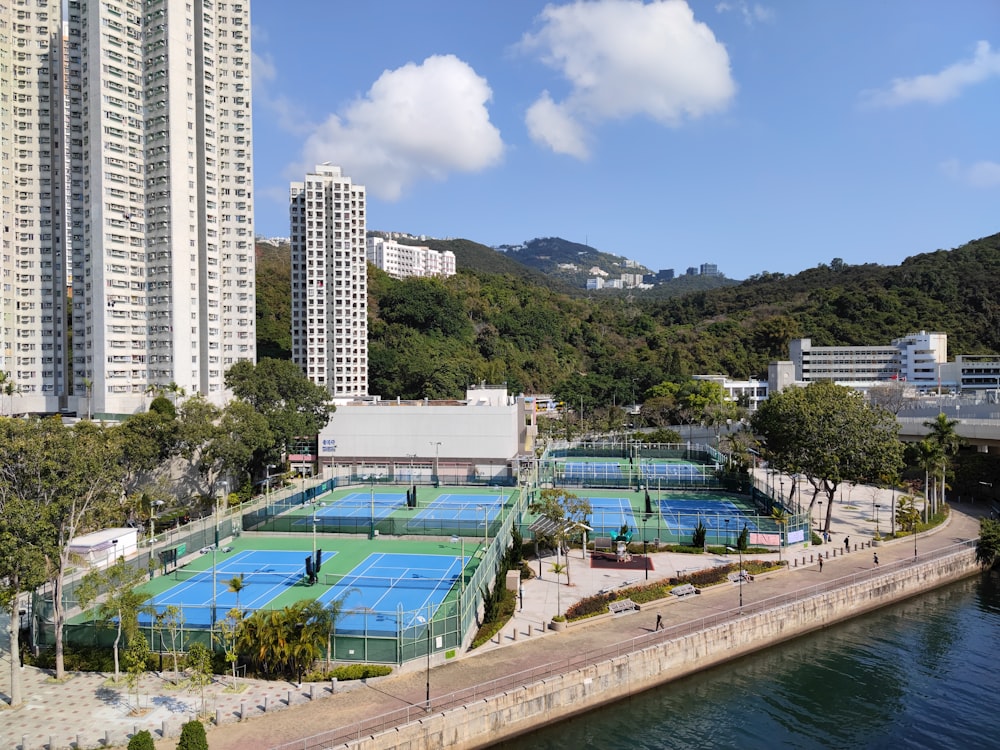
<point x="327" y="446"/>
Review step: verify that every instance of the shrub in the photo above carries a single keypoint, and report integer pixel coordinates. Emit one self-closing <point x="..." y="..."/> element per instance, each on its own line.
<point x="349" y="672"/>
<point x="142" y="741"/>
<point x="193" y="736"/>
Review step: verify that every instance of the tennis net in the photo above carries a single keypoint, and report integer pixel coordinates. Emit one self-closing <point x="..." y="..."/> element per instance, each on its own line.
<point x="388" y="582"/>
<point x="249" y="577"/>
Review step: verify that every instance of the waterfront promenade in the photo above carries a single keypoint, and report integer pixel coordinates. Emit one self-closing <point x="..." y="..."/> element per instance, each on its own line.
<point x="87" y="709"/>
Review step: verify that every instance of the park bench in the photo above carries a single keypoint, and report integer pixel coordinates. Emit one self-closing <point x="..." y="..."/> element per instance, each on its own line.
<point x="735" y="577"/>
<point x="623" y="605"/>
<point x="685" y="589"/>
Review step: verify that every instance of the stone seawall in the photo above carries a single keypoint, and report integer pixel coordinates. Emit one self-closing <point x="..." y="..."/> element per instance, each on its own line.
<point x="486" y="722"/>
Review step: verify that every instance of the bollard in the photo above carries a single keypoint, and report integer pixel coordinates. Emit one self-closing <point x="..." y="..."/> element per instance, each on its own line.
<point x="163" y="731"/>
<point x="333" y="685"/>
<point x="243" y="710"/>
<point x="24" y="742"/>
<point x="265" y="704"/>
<point x="288" y="700"/>
<point x="515" y="632"/>
<point x="79" y="745"/>
<point x="312" y="691"/>
<point x="107" y="738"/>
<point x="218" y="717"/>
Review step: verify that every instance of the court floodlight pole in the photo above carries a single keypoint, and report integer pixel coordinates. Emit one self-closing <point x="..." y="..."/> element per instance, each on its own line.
<point x="371" y="531"/>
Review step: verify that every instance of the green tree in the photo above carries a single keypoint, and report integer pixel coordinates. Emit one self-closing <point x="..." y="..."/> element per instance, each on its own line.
<point x="988" y="545"/>
<point x="225" y="634"/>
<point x="122" y="603"/>
<point x="567" y="512"/>
<point x="136" y="660"/>
<point x="72" y="477"/>
<point x="199" y="663"/>
<point x="171" y="620"/>
<point x="193" y="736"/>
<point x="22" y="567"/>
<point x="930" y="458"/>
<point x="278" y="390"/>
<point x="943" y="434"/>
<point x="828" y="434"/>
<point x="235" y="585"/>
<point x="141" y="740"/>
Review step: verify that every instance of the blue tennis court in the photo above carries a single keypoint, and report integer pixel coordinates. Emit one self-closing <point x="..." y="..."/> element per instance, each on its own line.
<point x="391" y="594"/>
<point x="588" y="469"/>
<point x="672" y="470"/>
<point x="360" y="503"/>
<point x="682" y="516"/>
<point x="266" y="575"/>
<point x="609" y="514"/>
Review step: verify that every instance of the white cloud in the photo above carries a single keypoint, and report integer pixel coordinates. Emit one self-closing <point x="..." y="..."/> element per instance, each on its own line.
<point x="625" y="58"/>
<point x="416" y="122"/>
<point x="551" y="125"/>
<point x="752" y="14"/>
<point x="982" y="174"/>
<point x="936" y="88"/>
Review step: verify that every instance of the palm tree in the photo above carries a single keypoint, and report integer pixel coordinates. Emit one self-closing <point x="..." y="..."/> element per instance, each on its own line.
<point x="943" y="434"/>
<point x="929" y="458"/>
<point x="558" y="569"/>
<point x="236" y="585"/>
<point x="780" y="517"/>
<point x="175" y="391"/>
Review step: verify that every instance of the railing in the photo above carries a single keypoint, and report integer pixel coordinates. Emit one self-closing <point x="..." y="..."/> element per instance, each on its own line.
<point x="393" y="719"/>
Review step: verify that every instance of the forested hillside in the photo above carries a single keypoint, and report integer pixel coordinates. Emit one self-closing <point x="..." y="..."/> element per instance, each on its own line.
<point x="431" y="337"/>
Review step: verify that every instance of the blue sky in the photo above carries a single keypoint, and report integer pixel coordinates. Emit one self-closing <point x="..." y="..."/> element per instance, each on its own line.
<point x="759" y="137"/>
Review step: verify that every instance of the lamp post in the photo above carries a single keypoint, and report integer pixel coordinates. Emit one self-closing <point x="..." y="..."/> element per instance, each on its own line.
<point x="371" y="530"/>
<point x="877" y="506"/>
<point x="314" y="535"/>
<point x="437" y="461"/>
<point x="645" y="556"/>
<point x="820" y="524"/>
<point x="740" y="552"/>
<point x="486" y="524"/>
<point x="782" y="482"/>
<point x="727" y="532"/>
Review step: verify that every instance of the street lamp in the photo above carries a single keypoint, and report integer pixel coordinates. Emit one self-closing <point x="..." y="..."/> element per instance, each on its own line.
<point x="371" y="529"/>
<point x="877" y="506"/>
<point x="437" y="461"/>
<point x="740" y="551"/>
<point x="314" y="535"/>
<point x="820" y="524"/>
<point x="727" y="531"/>
<point x="645" y="556"/>
<point x="486" y="524"/>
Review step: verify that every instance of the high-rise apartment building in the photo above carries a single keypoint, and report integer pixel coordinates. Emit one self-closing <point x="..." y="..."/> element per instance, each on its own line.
<point x="161" y="198"/>
<point x="330" y="281"/>
<point x="33" y="352"/>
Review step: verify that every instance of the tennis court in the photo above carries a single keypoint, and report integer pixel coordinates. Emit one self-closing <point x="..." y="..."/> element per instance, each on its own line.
<point x="609" y="514"/>
<point x="591" y="469"/>
<point x="674" y="469"/>
<point x="391" y="594"/>
<point x="723" y="519"/>
<point x="267" y="574"/>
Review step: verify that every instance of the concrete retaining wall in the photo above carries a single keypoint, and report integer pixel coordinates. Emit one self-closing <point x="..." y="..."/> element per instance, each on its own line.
<point x="554" y="699"/>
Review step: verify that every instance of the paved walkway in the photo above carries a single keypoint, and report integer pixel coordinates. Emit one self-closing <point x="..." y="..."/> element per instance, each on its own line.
<point x="86" y="712"/>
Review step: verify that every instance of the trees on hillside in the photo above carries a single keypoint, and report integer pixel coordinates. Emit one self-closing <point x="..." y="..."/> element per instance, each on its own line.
<point x="828" y="434"/>
<point x="72" y="478"/>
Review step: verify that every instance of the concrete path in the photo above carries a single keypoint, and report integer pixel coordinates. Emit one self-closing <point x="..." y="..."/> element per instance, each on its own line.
<point x="86" y="712"/>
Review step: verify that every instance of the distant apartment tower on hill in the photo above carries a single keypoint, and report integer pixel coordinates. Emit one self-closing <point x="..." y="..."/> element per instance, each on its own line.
<point x="400" y="261"/>
<point x="330" y="281"/>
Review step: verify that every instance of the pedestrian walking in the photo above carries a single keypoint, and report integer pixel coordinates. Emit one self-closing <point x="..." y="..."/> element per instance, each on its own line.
<point x="847" y="544"/>
<point x="659" y="621"/>
<point x="821" y="563"/>
<point x="876" y="558"/>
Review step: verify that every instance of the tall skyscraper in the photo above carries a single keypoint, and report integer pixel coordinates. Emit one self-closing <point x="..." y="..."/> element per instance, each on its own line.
<point x="33" y="354"/>
<point x="330" y="282"/>
<point x="161" y="198"/>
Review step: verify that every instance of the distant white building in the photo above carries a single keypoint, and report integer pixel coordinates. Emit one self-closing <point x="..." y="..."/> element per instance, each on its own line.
<point x="918" y="359"/>
<point x="748" y="392"/>
<point x="401" y="261"/>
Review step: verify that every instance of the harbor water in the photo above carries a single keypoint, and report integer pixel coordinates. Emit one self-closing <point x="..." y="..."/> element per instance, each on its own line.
<point x="920" y="674"/>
